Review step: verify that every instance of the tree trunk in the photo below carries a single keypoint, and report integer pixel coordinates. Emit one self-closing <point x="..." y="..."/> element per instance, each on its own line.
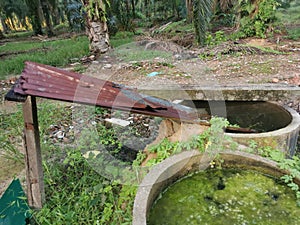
<point x="35" y="12"/>
<point x="147" y="11"/>
<point x="46" y="11"/>
<point x="4" y="26"/>
<point x="56" y="16"/>
<point x="97" y="28"/>
<point x="133" y="8"/>
<point x="1" y="35"/>
<point x="189" y="10"/>
<point x="98" y="36"/>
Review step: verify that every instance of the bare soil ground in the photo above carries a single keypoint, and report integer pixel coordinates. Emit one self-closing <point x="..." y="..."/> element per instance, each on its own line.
<point x="227" y="64"/>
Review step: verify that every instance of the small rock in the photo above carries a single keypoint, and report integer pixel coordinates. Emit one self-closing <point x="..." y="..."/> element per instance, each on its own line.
<point x="275" y="80"/>
<point x="59" y="134"/>
<point x="119" y="122"/>
<point x="75" y="64"/>
<point x="107" y="66"/>
<point x="92" y="57"/>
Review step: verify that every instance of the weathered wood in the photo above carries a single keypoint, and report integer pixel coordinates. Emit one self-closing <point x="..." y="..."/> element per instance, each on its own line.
<point x="33" y="158"/>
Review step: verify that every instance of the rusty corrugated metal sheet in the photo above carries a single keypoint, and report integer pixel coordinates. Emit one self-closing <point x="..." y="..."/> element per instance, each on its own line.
<point x="50" y="82"/>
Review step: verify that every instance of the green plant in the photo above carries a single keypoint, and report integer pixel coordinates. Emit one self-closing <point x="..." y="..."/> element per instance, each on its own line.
<point x="55" y="53"/>
<point x="11" y="134"/>
<point x="211" y="141"/>
<point x="202" y="12"/>
<point x="255" y="22"/>
<point x="79" y="68"/>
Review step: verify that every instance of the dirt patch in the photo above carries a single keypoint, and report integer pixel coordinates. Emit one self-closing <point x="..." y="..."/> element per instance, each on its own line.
<point x="226" y="64"/>
<point x="10" y="169"/>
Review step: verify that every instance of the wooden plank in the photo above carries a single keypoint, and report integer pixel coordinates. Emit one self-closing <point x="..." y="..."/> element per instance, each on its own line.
<point x="33" y="158"/>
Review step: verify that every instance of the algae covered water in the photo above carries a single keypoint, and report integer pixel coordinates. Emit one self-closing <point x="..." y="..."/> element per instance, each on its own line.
<point x="221" y="197"/>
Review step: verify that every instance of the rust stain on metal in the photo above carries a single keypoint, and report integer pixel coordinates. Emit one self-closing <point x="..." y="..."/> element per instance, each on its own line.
<point x="50" y="82"/>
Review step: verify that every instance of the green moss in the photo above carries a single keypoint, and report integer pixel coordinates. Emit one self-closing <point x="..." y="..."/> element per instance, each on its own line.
<point x="226" y="197"/>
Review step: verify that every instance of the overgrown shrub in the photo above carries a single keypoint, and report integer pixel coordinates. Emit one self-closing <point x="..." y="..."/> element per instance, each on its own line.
<point x="256" y="20"/>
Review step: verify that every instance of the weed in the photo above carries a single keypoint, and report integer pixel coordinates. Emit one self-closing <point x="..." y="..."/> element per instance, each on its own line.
<point x="11" y="134"/>
<point x="215" y="39"/>
<point x="166" y="64"/>
<point x="77" y="193"/>
<point x="294" y="33"/>
<point x="115" y="43"/>
<point x="211" y="141"/>
<point x="55" y="53"/>
<point x="79" y="68"/>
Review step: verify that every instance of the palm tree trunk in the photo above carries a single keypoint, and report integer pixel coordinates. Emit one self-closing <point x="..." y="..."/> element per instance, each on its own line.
<point x="203" y="10"/>
<point x="46" y="11"/>
<point x="35" y="15"/>
<point x="96" y="27"/>
<point x="189" y="10"/>
<point x="4" y="26"/>
<point x="133" y="8"/>
<point x="1" y="35"/>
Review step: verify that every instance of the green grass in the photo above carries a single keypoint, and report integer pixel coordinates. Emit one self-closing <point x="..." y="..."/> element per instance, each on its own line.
<point x="291" y="17"/>
<point x="11" y="135"/>
<point x="75" y="192"/>
<point x="19" y="34"/>
<point x="132" y="52"/>
<point x="115" y="43"/>
<point x="55" y="53"/>
<point x="121" y="38"/>
<point x="294" y="33"/>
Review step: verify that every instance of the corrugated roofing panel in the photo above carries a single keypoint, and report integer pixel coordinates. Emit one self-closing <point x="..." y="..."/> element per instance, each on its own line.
<point x="50" y="82"/>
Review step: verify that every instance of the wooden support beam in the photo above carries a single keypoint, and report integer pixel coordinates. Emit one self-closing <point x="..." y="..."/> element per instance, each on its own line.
<point x="33" y="158"/>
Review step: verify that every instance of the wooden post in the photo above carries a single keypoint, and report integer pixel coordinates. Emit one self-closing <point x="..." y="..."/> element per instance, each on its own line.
<point x="33" y="158"/>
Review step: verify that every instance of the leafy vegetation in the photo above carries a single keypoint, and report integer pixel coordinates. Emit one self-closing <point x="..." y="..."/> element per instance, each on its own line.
<point x="256" y="21"/>
<point x="248" y="18"/>
<point x="76" y="193"/>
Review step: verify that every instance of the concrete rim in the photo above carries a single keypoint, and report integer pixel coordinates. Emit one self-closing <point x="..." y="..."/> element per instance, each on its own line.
<point x="177" y="166"/>
<point x="294" y="125"/>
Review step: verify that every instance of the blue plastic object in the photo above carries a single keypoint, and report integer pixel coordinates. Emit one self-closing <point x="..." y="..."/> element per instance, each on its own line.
<point x="153" y="74"/>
